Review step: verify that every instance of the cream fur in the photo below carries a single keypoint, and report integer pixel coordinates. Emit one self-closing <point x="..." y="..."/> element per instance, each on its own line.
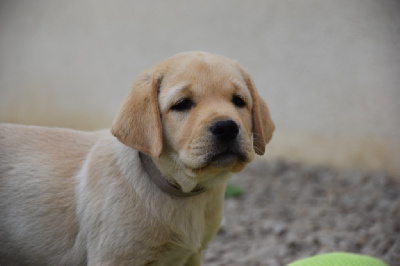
<point x="83" y="198"/>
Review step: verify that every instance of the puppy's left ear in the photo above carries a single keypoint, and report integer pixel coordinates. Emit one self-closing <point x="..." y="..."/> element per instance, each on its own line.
<point x="138" y="123"/>
<point x="263" y="126"/>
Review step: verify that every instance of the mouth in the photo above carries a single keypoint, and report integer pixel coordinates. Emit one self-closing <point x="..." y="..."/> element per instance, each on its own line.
<point x="226" y="159"/>
<point x="223" y="161"/>
<point x="216" y="158"/>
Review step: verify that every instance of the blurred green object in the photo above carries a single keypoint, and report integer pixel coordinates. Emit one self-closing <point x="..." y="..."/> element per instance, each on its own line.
<point x="339" y="259"/>
<point x="232" y="191"/>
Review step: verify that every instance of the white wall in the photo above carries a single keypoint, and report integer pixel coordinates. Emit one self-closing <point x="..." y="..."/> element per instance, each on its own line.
<point x="329" y="70"/>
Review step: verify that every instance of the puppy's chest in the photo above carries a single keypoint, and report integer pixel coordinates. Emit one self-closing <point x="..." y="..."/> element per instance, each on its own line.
<point x="186" y="230"/>
<point x="165" y="242"/>
<point x="182" y="229"/>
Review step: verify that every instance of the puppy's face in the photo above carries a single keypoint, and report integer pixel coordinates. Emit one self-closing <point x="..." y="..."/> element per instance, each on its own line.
<point x="199" y="114"/>
<point x="206" y="113"/>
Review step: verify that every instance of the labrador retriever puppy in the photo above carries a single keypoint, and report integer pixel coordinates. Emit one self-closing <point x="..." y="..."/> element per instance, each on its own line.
<point x="148" y="192"/>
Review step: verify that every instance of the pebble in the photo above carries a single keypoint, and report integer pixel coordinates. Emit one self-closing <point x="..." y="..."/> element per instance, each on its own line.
<point x="291" y="211"/>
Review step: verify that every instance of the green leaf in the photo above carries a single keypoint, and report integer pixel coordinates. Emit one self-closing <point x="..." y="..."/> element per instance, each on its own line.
<point x="233" y="191"/>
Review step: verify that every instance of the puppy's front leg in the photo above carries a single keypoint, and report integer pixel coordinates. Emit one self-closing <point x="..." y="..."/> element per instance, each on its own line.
<point x="195" y="259"/>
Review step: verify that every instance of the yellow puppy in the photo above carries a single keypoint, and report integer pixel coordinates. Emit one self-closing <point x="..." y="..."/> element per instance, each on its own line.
<point x="150" y="192"/>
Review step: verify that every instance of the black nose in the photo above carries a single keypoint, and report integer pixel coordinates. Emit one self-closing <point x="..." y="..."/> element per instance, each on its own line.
<point x="225" y="130"/>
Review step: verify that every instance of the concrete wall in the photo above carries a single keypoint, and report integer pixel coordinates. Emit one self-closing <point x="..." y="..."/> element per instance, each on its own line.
<point x="330" y="70"/>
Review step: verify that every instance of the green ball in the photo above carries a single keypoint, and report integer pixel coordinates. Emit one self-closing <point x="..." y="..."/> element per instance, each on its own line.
<point x="339" y="259"/>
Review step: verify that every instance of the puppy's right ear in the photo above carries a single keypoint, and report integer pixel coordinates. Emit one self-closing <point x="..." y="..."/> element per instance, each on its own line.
<point x="138" y="123"/>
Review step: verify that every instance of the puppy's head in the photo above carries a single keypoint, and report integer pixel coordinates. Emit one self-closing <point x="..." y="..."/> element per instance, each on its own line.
<point x="198" y="115"/>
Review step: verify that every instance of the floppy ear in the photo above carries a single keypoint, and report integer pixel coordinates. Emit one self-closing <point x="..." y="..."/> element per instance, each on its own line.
<point x="138" y="123"/>
<point x="263" y="126"/>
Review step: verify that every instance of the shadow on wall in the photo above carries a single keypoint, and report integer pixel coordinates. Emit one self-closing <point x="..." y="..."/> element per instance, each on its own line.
<point x="39" y="107"/>
<point x="371" y="154"/>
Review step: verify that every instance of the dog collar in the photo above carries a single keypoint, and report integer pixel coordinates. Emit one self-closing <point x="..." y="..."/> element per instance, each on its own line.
<point x="161" y="182"/>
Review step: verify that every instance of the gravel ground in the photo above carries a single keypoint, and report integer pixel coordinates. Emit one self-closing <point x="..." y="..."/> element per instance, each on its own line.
<point x="292" y="211"/>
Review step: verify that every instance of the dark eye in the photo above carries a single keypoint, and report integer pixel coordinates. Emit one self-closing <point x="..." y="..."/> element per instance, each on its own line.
<point x="238" y="101"/>
<point x="182" y="105"/>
